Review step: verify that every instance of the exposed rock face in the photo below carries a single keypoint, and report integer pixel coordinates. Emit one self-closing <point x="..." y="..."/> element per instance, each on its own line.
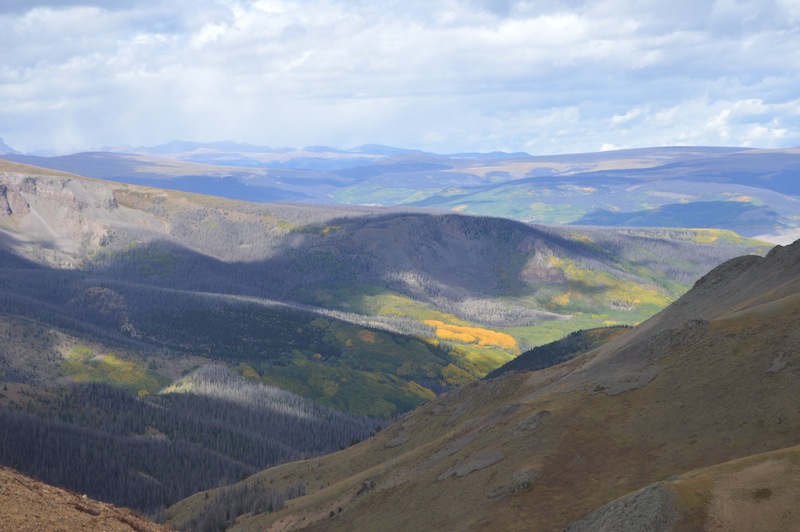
<point x="76" y="194"/>
<point x="473" y="463"/>
<point x="60" y="220"/>
<point x="12" y="202"/>
<point x="540" y="268"/>
<point x="651" y="509"/>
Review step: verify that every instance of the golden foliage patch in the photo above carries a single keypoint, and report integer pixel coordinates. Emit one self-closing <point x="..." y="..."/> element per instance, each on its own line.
<point x="474" y="335"/>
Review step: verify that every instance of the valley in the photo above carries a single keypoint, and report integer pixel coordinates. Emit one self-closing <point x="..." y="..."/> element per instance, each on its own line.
<point x="158" y="332"/>
<point x="460" y="266"/>
<point x="332" y="302"/>
<point x="684" y="422"/>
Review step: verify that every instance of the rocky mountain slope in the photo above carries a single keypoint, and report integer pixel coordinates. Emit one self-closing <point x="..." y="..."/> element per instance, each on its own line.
<point x="697" y="407"/>
<point x="26" y="504"/>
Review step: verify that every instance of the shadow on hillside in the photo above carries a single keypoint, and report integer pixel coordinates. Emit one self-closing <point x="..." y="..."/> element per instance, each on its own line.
<point x="746" y="217"/>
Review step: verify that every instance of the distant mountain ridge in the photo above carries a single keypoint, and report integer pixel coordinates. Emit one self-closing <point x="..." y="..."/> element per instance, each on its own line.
<point x="6" y="149"/>
<point x="750" y="191"/>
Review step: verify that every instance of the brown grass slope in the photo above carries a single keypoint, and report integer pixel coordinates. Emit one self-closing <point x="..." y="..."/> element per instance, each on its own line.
<point x="30" y="505"/>
<point x="759" y="492"/>
<point x="711" y="379"/>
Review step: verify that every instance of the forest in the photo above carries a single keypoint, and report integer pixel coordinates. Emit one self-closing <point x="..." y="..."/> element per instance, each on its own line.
<point x="145" y="453"/>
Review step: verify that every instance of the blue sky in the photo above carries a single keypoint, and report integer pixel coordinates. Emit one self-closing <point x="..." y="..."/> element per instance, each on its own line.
<point x="447" y="76"/>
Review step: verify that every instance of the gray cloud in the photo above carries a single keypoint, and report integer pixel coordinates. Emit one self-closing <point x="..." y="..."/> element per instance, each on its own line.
<point x="450" y="75"/>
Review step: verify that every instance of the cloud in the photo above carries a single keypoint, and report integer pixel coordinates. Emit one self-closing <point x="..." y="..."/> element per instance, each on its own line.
<point x="617" y="120"/>
<point x="450" y="75"/>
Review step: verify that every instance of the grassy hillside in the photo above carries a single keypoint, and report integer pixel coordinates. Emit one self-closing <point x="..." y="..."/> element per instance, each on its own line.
<point x="560" y="351"/>
<point x="757" y="492"/>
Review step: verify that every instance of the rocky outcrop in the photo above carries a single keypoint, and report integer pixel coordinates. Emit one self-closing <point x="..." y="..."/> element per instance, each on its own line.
<point x="60" y="220"/>
<point x="651" y="509"/>
<point x="540" y="268"/>
<point x="12" y="202"/>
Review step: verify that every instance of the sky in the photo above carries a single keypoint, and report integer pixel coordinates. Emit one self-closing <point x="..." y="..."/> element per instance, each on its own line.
<point x="448" y="76"/>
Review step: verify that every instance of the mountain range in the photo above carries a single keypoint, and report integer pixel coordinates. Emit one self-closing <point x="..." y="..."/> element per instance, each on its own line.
<point x="753" y="192"/>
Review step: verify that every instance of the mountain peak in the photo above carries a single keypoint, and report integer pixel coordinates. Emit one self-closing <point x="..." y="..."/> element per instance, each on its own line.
<point x="5" y="148"/>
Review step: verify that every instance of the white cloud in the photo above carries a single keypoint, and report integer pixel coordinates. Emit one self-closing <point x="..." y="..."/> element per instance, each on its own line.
<point x="449" y="75"/>
<point x="209" y="33"/>
<point x="617" y="120"/>
<point x="606" y="146"/>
